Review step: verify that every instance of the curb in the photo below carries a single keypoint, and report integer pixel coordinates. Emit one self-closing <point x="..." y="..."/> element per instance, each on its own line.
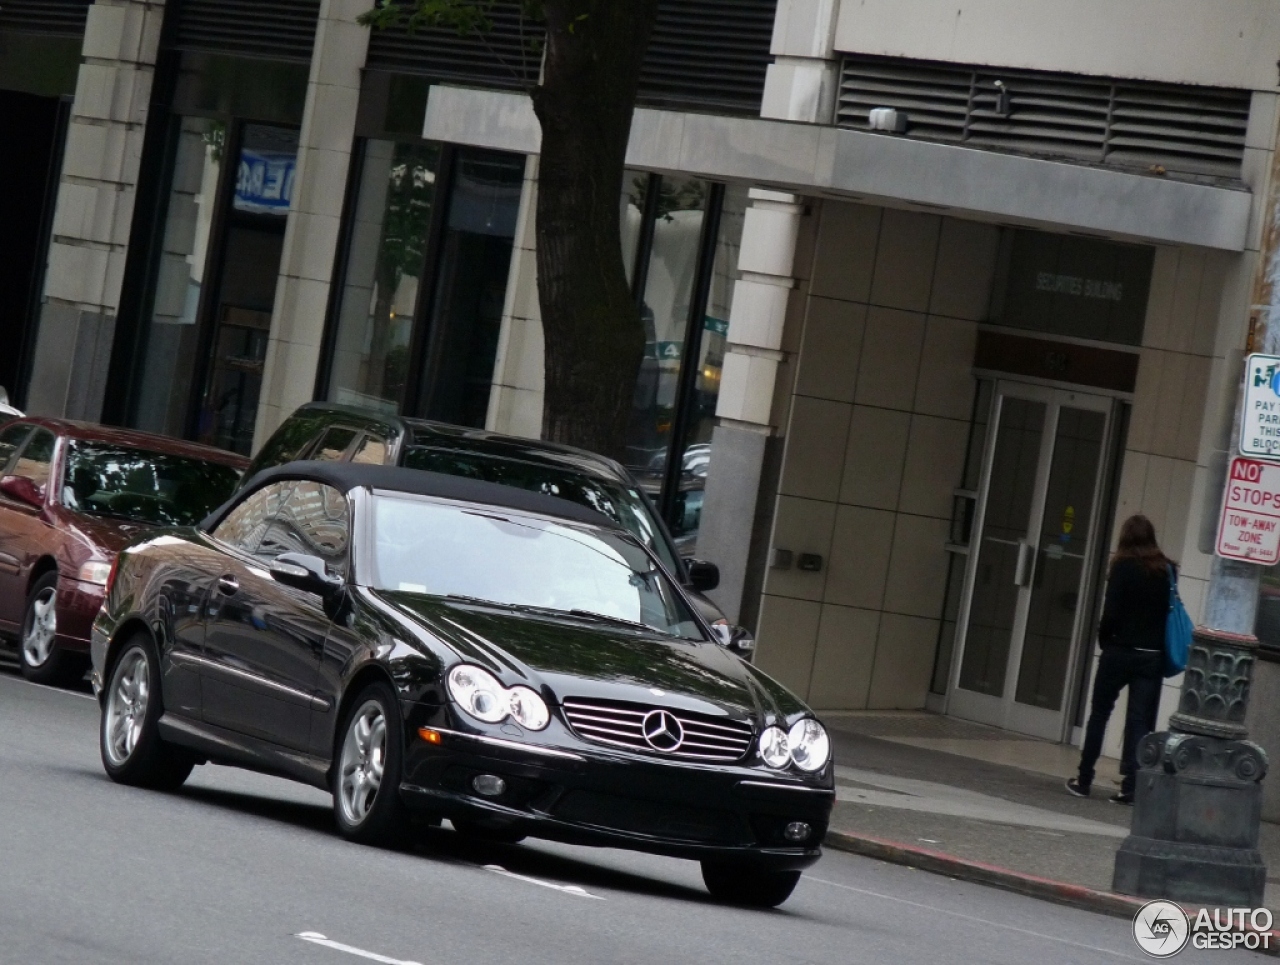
<point x="1033" y="886"/>
<point x="938" y="862"/>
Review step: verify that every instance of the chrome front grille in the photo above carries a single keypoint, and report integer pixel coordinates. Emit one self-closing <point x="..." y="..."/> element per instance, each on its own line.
<point x="623" y="724"/>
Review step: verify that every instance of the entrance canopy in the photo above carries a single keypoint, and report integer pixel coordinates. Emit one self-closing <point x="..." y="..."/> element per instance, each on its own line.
<point x="880" y="169"/>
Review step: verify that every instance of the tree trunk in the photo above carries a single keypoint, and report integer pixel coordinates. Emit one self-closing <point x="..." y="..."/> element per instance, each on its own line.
<point x="592" y="332"/>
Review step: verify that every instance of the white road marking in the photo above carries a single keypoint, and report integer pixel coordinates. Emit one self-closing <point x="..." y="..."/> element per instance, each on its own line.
<point x="317" y="939"/>
<point x="978" y="921"/>
<point x="567" y="889"/>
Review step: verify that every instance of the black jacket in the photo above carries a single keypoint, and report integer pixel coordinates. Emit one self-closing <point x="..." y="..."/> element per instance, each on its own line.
<point x="1136" y="607"/>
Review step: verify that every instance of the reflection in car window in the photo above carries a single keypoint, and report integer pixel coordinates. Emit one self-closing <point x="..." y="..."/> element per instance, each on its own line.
<point x="10" y="439"/>
<point x="35" y="458"/>
<point x="104" y="479"/>
<point x="243" y="527"/>
<point x="621" y="504"/>
<point x="333" y="446"/>
<point x="313" y="520"/>
<point x="509" y="558"/>
<point x="371" y="451"/>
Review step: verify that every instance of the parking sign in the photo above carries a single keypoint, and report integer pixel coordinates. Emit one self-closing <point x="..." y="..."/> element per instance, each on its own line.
<point x="1250" y="525"/>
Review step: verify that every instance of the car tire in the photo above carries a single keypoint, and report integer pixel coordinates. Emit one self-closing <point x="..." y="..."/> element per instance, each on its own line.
<point x="750" y="887"/>
<point x="368" y="763"/>
<point x="472" y="829"/>
<point x="129" y="739"/>
<point x="42" y="660"/>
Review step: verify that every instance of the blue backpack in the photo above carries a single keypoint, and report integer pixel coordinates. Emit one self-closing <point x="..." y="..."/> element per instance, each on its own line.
<point x="1177" y="631"/>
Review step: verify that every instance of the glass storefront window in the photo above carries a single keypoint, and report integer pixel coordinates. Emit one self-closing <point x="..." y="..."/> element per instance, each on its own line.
<point x="470" y="287"/>
<point x="635" y="185"/>
<point x="252" y="244"/>
<point x="171" y="336"/>
<point x="214" y="281"/>
<point x="386" y="254"/>
<point x="664" y="310"/>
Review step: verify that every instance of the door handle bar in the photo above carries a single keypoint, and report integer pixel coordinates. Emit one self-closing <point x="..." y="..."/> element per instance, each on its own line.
<point x="228" y="585"/>
<point x="1026" y="562"/>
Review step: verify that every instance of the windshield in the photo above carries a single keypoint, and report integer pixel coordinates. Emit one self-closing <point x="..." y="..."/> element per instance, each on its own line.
<point x="509" y="559"/>
<point x="103" y="479"/>
<point x="620" y="503"/>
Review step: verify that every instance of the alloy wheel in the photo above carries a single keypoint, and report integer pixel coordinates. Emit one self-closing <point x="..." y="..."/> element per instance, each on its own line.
<point x="364" y="754"/>
<point x="127" y="706"/>
<point x="41" y="629"/>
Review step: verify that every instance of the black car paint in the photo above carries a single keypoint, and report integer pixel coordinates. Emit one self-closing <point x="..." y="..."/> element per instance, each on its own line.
<point x="411" y="640"/>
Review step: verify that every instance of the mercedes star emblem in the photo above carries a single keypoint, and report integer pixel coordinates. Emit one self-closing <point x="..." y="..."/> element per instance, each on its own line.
<point x="662" y="731"/>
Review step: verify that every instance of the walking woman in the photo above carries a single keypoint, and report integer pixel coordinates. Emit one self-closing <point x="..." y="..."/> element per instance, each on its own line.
<point x="1131" y="634"/>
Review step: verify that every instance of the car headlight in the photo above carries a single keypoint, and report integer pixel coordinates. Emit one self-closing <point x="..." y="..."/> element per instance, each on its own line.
<point x="809" y="744"/>
<point x="773" y="747"/>
<point x="478" y="692"/>
<point x="95" y="571"/>
<point x="481" y="695"/>
<point x="528" y="709"/>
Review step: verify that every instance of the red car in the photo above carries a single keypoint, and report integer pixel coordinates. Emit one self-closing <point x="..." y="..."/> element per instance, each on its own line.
<point x="71" y="495"/>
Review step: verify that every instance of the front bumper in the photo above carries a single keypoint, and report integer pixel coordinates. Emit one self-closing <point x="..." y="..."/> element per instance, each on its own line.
<point x="596" y="796"/>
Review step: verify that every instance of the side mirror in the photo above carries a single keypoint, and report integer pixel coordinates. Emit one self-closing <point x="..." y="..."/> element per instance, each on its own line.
<point x="304" y="572"/>
<point x="23" y="490"/>
<point x="703" y="576"/>
<point x="735" y="638"/>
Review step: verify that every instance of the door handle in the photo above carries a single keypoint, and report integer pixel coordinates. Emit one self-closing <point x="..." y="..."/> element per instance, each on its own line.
<point x="228" y="585"/>
<point x="1026" y="562"/>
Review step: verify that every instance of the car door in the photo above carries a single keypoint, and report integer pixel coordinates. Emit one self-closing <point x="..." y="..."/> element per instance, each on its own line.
<point x="264" y="640"/>
<point x="24" y="533"/>
<point x="185" y="596"/>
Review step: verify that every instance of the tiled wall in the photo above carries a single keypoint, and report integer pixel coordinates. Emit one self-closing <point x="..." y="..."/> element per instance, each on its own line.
<point x="879" y="423"/>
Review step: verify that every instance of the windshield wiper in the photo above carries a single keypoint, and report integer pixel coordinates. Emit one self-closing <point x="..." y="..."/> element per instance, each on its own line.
<point x="552" y="611"/>
<point x="620" y="621"/>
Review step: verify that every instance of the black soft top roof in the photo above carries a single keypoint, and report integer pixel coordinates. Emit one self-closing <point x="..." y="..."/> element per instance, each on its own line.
<point x="346" y="476"/>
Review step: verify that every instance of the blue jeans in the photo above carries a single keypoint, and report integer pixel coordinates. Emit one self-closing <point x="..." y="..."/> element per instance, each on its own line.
<point x="1142" y="672"/>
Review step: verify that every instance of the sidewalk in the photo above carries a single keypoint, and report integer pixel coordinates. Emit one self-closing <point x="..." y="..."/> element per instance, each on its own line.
<point x="918" y="782"/>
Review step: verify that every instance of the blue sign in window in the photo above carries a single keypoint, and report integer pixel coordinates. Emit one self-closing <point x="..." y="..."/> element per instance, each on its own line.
<point x="264" y="183"/>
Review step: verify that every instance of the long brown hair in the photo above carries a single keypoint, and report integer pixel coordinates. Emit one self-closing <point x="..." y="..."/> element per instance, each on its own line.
<point x="1138" y="542"/>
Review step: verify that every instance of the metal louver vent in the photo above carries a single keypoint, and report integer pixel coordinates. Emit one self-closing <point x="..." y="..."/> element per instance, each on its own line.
<point x="709" y="53"/>
<point x="63" y="18"/>
<point x="278" y="29"/>
<point x="703" y="53"/>
<point x="1195" y="130"/>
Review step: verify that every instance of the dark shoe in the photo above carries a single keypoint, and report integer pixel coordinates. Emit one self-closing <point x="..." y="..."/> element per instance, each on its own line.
<point x="1122" y="797"/>
<point x="1075" y="787"/>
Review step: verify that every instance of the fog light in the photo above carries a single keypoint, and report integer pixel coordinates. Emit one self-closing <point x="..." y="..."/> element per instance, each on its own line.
<point x="490" y="785"/>
<point x="797" y="831"/>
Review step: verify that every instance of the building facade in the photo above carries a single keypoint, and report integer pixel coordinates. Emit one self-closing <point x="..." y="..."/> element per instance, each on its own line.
<point x="935" y="295"/>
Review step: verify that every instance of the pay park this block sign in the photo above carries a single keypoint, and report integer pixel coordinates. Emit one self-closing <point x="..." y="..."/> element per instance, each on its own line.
<point x="1260" y="420"/>
<point x="1250" y="526"/>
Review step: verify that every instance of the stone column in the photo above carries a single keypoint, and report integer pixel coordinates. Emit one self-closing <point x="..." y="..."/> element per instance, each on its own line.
<point x="746" y="424"/>
<point x="94" y="209"/>
<point x="800" y="86"/>
<point x="1194" y="836"/>
<point x="315" y="217"/>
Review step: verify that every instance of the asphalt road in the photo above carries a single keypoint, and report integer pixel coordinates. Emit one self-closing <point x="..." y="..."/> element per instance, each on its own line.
<point x="238" y="868"/>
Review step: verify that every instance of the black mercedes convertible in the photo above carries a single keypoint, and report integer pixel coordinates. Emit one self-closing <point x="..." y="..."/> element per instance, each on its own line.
<point x="427" y="647"/>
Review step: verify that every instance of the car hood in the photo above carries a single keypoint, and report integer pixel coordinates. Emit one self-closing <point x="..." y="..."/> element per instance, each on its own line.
<point x="576" y="658"/>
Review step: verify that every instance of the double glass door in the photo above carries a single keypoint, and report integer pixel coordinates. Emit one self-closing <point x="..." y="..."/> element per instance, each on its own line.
<point x="1026" y="605"/>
